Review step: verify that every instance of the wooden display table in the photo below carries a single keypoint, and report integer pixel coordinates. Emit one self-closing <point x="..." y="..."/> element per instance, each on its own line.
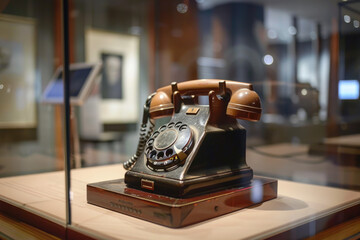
<point x="301" y="210"/>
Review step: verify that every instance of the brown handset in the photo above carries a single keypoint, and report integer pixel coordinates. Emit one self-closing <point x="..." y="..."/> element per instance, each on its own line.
<point x="202" y="148"/>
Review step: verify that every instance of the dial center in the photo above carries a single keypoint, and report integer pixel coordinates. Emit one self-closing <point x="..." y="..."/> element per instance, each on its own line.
<point x="165" y="139"/>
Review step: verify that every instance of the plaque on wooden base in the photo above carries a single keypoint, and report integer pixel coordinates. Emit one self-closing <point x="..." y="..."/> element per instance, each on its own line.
<point x="178" y="212"/>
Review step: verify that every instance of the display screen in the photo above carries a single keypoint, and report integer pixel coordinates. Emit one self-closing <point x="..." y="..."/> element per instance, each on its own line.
<point x="77" y="80"/>
<point x="348" y="89"/>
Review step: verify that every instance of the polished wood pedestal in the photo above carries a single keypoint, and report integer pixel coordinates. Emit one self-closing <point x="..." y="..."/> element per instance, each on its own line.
<point x="178" y="212"/>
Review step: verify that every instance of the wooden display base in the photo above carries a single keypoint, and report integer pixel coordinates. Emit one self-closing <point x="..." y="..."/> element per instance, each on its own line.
<point x="178" y="212"/>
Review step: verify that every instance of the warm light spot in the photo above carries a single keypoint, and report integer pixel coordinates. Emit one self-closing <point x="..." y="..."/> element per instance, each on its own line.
<point x="268" y="59"/>
<point x="356" y="24"/>
<point x="182" y="8"/>
<point x="272" y="34"/>
<point x="304" y="92"/>
<point x="347" y="18"/>
<point x="292" y="30"/>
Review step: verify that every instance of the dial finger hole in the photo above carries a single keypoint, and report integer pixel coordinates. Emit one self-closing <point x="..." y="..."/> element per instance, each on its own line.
<point x="160" y="155"/>
<point x="178" y="124"/>
<point x="155" y="134"/>
<point x="153" y="154"/>
<point x="150" y="141"/>
<point x="148" y="149"/>
<point x="169" y="152"/>
<point x="162" y="128"/>
<point x="170" y="125"/>
<point x="183" y="127"/>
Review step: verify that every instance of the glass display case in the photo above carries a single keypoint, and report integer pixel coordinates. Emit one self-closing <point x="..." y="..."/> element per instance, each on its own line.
<point x="31" y="142"/>
<point x="301" y="62"/>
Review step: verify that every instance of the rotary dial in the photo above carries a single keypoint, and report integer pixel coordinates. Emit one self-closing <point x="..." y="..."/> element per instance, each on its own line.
<point x="168" y="147"/>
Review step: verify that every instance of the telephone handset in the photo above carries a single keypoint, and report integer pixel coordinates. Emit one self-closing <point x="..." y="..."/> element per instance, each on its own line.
<point x="202" y="148"/>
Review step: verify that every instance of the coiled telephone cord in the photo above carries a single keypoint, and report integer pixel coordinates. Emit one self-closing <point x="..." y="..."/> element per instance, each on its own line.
<point x="144" y="135"/>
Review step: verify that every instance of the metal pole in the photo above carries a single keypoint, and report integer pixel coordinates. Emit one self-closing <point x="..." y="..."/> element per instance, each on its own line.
<point x="66" y="82"/>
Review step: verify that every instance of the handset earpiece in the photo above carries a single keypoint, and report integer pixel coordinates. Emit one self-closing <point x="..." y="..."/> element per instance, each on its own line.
<point x="244" y="104"/>
<point x="161" y="105"/>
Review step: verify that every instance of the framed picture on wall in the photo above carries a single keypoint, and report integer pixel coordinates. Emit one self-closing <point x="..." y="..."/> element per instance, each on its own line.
<point x="119" y="54"/>
<point x="17" y="72"/>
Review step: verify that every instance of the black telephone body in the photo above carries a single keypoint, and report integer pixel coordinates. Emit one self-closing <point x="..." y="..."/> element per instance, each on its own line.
<point x="202" y="148"/>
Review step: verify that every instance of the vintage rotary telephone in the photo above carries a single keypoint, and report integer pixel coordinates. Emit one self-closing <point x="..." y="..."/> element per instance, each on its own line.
<point x="202" y="148"/>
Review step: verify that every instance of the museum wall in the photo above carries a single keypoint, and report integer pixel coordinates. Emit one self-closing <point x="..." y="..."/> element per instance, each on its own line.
<point x="21" y="144"/>
<point x="294" y="59"/>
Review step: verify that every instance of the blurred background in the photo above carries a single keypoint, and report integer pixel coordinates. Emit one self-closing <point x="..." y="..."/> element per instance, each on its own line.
<point x="302" y="57"/>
